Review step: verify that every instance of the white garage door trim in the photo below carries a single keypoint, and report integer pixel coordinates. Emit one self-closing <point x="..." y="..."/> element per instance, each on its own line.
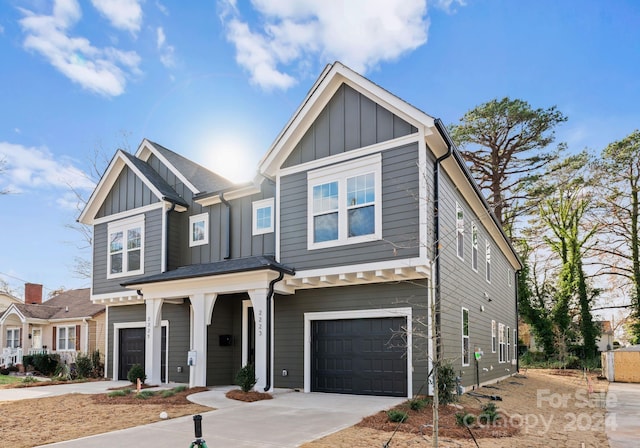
<point x="356" y="314"/>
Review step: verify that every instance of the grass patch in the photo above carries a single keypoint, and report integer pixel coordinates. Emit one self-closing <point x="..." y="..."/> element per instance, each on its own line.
<point x="10" y="379"/>
<point x="119" y="393"/>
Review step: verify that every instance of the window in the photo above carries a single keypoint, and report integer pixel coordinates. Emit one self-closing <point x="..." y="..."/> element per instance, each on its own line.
<point x="474" y="246"/>
<point x="488" y="261"/>
<point x="465" y="337"/>
<point x="493" y="336"/>
<point x="263" y="216"/>
<point x="460" y="230"/>
<point x="66" y="338"/>
<point x="126" y="247"/>
<point x="501" y="344"/>
<point x="199" y="229"/>
<point x="515" y="343"/>
<point x="508" y="350"/>
<point x="344" y="203"/>
<point x="13" y="338"/>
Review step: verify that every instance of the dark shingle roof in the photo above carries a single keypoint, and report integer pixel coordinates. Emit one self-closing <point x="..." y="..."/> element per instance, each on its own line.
<point x="203" y="179"/>
<point x="165" y="189"/>
<point x="71" y="304"/>
<point x="216" y="268"/>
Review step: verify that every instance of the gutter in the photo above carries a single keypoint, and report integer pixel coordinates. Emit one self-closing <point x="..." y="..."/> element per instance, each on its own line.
<point x="227" y="253"/>
<point x="272" y="284"/>
<point x="436" y="226"/>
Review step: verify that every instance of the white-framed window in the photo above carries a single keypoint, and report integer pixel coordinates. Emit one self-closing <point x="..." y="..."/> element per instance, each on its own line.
<point x="494" y="336"/>
<point x="515" y="343"/>
<point x="488" y="261"/>
<point x="460" y="231"/>
<point x="501" y="343"/>
<point x="474" y="246"/>
<point x="263" y="216"/>
<point x="66" y="338"/>
<point x="344" y="203"/>
<point x="125" y="253"/>
<point x="199" y="229"/>
<point x="508" y="350"/>
<point x="13" y="338"/>
<point x="465" y="337"/>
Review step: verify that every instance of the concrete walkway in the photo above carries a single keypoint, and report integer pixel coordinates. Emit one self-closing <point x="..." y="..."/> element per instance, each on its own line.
<point x="623" y="415"/>
<point x="289" y="420"/>
<point x="90" y="387"/>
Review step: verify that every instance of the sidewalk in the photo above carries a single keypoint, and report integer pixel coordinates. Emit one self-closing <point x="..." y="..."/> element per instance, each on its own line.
<point x="89" y="387"/>
<point x="622" y="421"/>
<point x="289" y="420"/>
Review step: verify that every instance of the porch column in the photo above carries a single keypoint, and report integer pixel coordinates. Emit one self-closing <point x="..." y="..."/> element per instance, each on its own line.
<point x="201" y="312"/>
<point x="153" y="342"/>
<point x="259" y="301"/>
<point x="3" y="336"/>
<point x="25" y="343"/>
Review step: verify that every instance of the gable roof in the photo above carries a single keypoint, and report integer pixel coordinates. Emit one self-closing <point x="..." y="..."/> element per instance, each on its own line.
<point x="71" y="304"/>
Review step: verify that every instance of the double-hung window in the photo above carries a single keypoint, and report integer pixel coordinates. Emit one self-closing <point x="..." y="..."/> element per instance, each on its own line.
<point x="488" y="261"/>
<point x="474" y="246"/>
<point x="501" y="343"/>
<point x="13" y="338"/>
<point x="198" y="229"/>
<point x="344" y="203"/>
<point x="508" y="350"/>
<point x="494" y="336"/>
<point x="460" y="230"/>
<point x="126" y="247"/>
<point x="66" y="338"/>
<point x="465" y="337"/>
<point x="263" y="216"/>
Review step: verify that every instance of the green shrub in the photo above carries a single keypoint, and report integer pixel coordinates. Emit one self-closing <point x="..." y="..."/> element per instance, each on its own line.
<point x="416" y="404"/>
<point x="27" y="361"/>
<point x="97" y="364"/>
<point x="136" y="371"/>
<point x="29" y="379"/>
<point x="63" y="372"/>
<point x="13" y="368"/>
<point x="4" y="371"/>
<point x="246" y="378"/>
<point x="446" y="384"/>
<point x="143" y="395"/>
<point x="465" y="419"/>
<point x="397" y="416"/>
<point x="180" y="389"/>
<point x="84" y="366"/>
<point x="119" y="393"/>
<point x="489" y="414"/>
<point x="168" y="393"/>
<point x="45" y="363"/>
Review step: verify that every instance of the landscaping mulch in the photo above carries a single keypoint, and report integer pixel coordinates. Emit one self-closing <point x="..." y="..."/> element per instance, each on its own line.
<point x="251" y="396"/>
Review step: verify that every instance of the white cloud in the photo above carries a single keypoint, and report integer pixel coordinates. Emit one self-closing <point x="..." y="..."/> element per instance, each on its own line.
<point x="101" y="70"/>
<point x="166" y="51"/>
<point x="162" y="8"/>
<point x="27" y="168"/>
<point x="123" y="14"/>
<point x="292" y="33"/>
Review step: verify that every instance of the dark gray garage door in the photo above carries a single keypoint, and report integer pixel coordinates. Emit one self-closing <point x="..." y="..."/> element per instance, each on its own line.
<point x="353" y="356"/>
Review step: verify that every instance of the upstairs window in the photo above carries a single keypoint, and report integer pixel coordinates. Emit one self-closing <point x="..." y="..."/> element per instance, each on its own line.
<point x="126" y="247"/>
<point x="488" y="261"/>
<point x="474" y="246"/>
<point x="460" y="230"/>
<point x="344" y="203"/>
<point x="465" y="337"/>
<point x="263" y="216"/>
<point x="199" y="229"/>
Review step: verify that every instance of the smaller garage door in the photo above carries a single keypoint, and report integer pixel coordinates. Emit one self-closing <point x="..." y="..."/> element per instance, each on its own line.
<point x="353" y="356"/>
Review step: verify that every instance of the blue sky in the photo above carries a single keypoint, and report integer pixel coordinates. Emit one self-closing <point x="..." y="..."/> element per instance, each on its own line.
<point x="217" y="80"/>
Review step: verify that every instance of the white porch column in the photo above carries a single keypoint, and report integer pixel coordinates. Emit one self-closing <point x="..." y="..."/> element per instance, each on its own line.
<point x="201" y="312"/>
<point x="259" y="301"/>
<point x="153" y="342"/>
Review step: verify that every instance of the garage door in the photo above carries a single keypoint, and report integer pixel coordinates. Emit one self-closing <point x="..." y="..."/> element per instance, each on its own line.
<point x="353" y="356"/>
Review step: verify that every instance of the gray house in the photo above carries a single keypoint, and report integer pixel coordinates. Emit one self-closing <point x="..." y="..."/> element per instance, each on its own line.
<point x="361" y="221"/>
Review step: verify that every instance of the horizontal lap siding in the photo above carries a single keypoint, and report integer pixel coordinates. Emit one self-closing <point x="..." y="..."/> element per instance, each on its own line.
<point x="400" y="217"/>
<point x="461" y="286"/>
<point x="289" y="322"/>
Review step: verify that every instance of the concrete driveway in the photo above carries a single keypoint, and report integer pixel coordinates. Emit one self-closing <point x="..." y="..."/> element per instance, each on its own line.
<point x="289" y="420"/>
<point x="90" y="387"/>
<point x="623" y="415"/>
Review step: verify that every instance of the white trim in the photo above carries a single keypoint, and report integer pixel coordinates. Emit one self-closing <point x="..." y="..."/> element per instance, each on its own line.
<point x="193" y="219"/>
<point x="423" y="198"/>
<point x="124" y="226"/>
<point x="229" y="195"/>
<point x="117" y="326"/>
<point x="406" y="312"/>
<point x="129" y="213"/>
<point x="364" y="267"/>
<point x="459" y="231"/>
<point x="126" y="297"/>
<point x="259" y="205"/>
<point x="487" y="261"/>
<point x="463" y="336"/>
<point x="277" y="217"/>
<point x="501" y="344"/>
<point x="474" y="246"/>
<point x="494" y="336"/>
<point x="246" y="304"/>
<point x="340" y="174"/>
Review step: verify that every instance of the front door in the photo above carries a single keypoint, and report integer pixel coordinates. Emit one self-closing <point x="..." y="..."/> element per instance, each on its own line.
<point x="36" y="338"/>
<point x="131" y="350"/>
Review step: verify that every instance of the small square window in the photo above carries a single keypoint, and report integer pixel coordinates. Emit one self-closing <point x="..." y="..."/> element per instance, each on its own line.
<point x="263" y="216"/>
<point x="199" y="229"/>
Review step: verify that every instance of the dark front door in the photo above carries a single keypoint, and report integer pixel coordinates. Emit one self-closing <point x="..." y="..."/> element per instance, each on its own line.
<point x="353" y="356"/>
<point x="131" y="350"/>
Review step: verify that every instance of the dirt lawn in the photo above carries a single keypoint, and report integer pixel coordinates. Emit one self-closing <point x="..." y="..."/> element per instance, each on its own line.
<point x="550" y="408"/>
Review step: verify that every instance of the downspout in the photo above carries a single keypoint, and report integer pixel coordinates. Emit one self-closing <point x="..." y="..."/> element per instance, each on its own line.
<point x="227" y="253"/>
<point x="436" y="226"/>
<point x="272" y="284"/>
<point x="166" y="236"/>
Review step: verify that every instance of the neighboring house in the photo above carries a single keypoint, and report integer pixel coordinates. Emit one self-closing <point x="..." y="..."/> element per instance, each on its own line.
<point x="67" y="324"/>
<point x="320" y="269"/>
<point x="605" y="340"/>
<point x="7" y="299"/>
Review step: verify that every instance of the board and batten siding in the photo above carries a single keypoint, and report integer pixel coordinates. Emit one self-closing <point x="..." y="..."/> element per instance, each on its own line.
<point x="152" y="253"/>
<point x="178" y="340"/>
<point x="128" y="192"/>
<point x="400" y="217"/>
<point x="462" y="287"/>
<point x="350" y="120"/>
<point x="223" y="362"/>
<point x="289" y="322"/>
